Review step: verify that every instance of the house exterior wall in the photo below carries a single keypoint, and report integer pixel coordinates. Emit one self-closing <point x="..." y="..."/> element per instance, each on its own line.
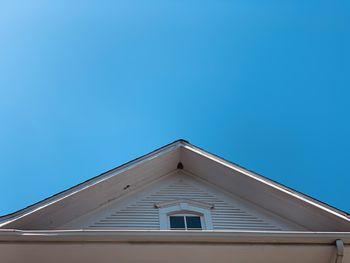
<point x="171" y="253"/>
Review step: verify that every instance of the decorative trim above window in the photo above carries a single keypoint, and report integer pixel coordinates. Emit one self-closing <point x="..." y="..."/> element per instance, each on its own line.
<point x="184" y="207"/>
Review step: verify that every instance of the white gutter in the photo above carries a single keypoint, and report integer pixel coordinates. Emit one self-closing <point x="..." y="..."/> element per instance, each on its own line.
<point x="338" y="239"/>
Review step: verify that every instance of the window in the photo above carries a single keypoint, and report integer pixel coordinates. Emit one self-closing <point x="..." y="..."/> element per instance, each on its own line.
<point x="185" y="222"/>
<point x="185" y="214"/>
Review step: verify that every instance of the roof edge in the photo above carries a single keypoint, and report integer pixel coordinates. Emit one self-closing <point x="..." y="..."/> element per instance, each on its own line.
<point x="4" y="219"/>
<point x="167" y="236"/>
<point x="311" y="200"/>
<point x="168" y="147"/>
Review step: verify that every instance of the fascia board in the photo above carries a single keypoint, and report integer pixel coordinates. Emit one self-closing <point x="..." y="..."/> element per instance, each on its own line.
<point x="293" y="193"/>
<point x="140" y="236"/>
<point x="89" y="183"/>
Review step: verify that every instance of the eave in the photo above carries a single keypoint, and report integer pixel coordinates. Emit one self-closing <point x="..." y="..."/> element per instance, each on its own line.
<point x="164" y="236"/>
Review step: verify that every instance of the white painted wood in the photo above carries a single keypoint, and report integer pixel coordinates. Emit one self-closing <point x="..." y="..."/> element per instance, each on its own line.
<point x="183" y="206"/>
<point x="254" y="199"/>
<point x="142" y="212"/>
<point x="187" y="201"/>
<point x="91" y="195"/>
<point x="285" y="202"/>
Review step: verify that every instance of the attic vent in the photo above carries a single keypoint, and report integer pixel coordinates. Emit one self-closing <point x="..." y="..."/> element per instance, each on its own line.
<point x="180" y="166"/>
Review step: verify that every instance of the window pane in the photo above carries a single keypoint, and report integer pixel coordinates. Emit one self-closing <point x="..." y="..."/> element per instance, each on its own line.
<point x="177" y="222"/>
<point x="193" y="222"/>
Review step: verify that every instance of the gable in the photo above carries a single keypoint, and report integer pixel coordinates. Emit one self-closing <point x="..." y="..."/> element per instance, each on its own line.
<point x="125" y="197"/>
<point x="228" y="212"/>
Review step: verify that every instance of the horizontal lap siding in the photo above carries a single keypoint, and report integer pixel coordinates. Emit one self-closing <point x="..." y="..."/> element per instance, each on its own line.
<point x="143" y="215"/>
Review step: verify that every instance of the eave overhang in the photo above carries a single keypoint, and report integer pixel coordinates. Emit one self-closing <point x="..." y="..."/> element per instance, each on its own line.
<point x="160" y="236"/>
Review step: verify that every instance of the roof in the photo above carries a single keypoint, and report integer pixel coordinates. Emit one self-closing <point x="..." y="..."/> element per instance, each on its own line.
<point x="196" y="161"/>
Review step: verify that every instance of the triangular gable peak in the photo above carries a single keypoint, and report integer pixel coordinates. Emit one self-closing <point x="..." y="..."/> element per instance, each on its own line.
<point x="181" y="193"/>
<point x="274" y="205"/>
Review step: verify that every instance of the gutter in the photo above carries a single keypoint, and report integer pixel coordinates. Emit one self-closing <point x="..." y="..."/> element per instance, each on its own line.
<point x="338" y="239"/>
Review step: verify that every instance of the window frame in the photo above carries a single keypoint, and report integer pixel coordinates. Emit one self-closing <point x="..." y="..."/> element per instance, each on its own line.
<point x="189" y="207"/>
<point x="185" y="215"/>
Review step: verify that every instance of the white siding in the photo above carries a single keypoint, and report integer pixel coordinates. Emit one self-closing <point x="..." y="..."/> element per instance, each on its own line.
<point x="142" y="214"/>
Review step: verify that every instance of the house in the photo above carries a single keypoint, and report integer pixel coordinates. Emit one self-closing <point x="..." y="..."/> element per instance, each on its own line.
<point x="177" y="204"/>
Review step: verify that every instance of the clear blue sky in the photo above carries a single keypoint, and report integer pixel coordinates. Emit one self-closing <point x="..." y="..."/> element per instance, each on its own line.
<point x="88" y="85"/>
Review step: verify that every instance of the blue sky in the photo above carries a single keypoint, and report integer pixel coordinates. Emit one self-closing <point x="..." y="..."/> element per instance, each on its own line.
<point x="88" y="85"/>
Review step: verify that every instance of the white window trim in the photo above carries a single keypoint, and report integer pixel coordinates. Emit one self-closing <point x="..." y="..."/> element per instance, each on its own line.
<point x="183" y="206"/>
<point x="184" y="215"/>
